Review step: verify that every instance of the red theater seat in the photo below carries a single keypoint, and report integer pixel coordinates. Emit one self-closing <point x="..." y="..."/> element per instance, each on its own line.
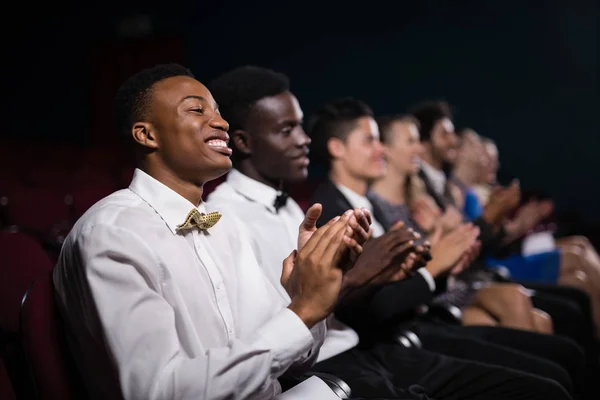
<point x="23" y="261"/>
<point x="52" y="368"/>
<point x="86" y="196"/>
<point x="36" y="209"/>
<point x="6" y="389"/>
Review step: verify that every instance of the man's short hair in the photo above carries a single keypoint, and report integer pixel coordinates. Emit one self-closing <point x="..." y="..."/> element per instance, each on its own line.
<point x="238" y="90"/>
<point x="428" y="114"/>
<point x="334" y="120"/>
<point x="386" y="122"/>
<point x="133" y="97"/>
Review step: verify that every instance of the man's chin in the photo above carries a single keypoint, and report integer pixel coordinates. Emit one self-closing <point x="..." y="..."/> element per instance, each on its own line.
<point x="219" y="169"/>
<point x="374" y="175"/>
<point x="297" y="177"/>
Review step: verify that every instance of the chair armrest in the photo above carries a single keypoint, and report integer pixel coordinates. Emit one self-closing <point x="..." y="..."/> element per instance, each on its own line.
<point x="445" y="313"/>
<point x="408" y="339"/>
<point x="337" y="385"/>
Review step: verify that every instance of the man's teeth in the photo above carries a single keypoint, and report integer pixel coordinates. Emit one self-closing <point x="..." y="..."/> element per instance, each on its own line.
<point x="217" y="143"/>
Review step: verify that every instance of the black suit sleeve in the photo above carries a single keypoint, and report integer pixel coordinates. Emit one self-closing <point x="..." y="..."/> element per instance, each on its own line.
<point x="333" y="201"/>
<point x="387" y="305"/>
<point x="398" y="300"/>
<point x="331" y="211"/>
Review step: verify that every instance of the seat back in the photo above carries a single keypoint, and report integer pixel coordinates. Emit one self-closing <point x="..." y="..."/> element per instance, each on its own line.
<point x="37" y="209"/>
<point x="23" y="261"/>
<point x="52" y="368"/>
<point x="6" y="389"/>
<point x="86" y="196"/>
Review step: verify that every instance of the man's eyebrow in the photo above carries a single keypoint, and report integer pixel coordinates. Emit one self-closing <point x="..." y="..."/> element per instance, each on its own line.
<point x="193" y="96"/>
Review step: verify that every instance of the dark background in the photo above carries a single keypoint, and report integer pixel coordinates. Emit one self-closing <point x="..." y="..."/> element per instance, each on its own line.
<point x="521" y="72"/>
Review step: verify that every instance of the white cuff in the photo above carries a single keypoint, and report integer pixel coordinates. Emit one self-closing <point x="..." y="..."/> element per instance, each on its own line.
<point x="286" y="336"/>
<point x="428" y="278"/>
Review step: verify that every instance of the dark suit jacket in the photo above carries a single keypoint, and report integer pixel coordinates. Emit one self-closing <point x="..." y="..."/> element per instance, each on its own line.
<point x="389" y="304"/>
<point x="335" y="203"/>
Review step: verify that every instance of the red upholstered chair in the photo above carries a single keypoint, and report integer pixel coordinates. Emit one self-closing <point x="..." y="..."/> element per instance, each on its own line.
<point x="92" y="176"/>
<point x="37" y="210"/>
<point x="6" y="389"/>
<point x="51" y="366"/>
<point x="86" y="196"/>
<point x="47" y="174"/>
<point x="23" y="261"/>
<point x="33" y="346"/>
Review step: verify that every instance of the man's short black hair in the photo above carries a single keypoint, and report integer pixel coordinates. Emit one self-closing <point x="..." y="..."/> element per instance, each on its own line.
<point x="238" y="90"/>
<point x="385" y="125"/>
<point x="133" y="97"/>
<point x="334" y="120"/>
<point x="428" y="113"/>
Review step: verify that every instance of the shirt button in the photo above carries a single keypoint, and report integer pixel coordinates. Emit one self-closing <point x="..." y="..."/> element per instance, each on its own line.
<point x="219" y="286"/>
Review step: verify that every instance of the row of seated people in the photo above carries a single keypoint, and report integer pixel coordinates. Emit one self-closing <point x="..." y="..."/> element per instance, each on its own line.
<point x="166" y="296"/>
<point x="365" y="173"/>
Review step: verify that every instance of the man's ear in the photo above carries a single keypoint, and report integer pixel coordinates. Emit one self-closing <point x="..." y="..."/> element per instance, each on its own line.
<point x="335" y="147"/>
<point x="241" y="141"/>
<point x="144" y="134"/>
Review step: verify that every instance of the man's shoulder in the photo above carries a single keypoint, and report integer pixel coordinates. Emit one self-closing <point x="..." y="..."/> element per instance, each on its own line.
<point x="122" y="209"/>
<point x="333" y="201"/>
<point x="325" y="192"/>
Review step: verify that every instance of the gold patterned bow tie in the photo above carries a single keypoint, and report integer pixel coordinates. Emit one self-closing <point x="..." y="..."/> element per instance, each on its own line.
<point x="196" y="219"/>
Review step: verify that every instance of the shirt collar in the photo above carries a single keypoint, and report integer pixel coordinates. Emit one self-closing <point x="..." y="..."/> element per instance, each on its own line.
<point x="356" y="200"/>
<point x="252" y="189"/>
<point x="436" y="177"/>
<point x="169" y="205"/>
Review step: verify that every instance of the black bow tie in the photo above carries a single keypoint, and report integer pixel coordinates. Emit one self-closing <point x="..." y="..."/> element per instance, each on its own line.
<point x="280" y="200"/>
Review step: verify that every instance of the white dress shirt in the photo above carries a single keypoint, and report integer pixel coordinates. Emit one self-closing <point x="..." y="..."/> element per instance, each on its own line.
<point x="436" y="177"/>
<point x="359" y="201"/>
<point x="173" y="314"/>
<point x="274" y="236"/>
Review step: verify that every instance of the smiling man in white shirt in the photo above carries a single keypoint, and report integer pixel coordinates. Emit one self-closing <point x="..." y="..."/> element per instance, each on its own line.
<point x="163" y="300"/>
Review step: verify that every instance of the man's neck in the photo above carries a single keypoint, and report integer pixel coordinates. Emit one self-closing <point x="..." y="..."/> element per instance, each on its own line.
<point x="392" y="187"/>
<point x="432" y="161"/>
<point x="342" y="177"/>
<point x="192" y="192"/>
<point x="246" y="168"/>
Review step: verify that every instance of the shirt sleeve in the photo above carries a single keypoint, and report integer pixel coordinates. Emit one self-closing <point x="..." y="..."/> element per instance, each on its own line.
<point x="309" y="358"/>
<point x="394" y="301"/>
<point x="318" y="331"/>
<point x="141" y="334"/>
<point x="428" y="278"/>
